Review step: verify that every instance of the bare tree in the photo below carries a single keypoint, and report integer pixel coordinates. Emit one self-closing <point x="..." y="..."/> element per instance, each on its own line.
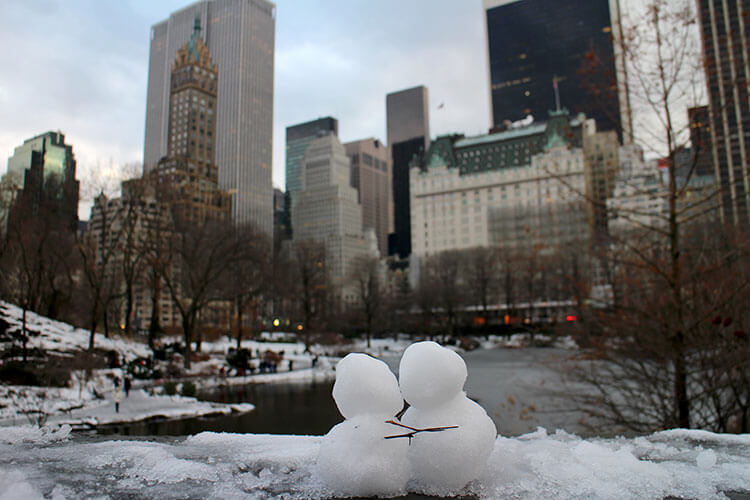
<point x="98" y="250"/>
<point x="482" y="276"/>
<point x="251" y="274"/>
<point x="441" y="274"/>
<point x="367" y="275"/>
<point x="201" y="257"/>
<point x="37" y="261"/>
<point x="310" y="275"/>
<point x="661" y="360"/>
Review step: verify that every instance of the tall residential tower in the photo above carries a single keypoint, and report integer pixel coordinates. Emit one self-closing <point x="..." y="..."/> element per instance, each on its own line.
<point x="240" y="35"/>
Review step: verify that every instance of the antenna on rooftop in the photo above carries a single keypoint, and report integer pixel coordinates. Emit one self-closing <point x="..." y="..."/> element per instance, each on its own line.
<point x="556" y="79"/>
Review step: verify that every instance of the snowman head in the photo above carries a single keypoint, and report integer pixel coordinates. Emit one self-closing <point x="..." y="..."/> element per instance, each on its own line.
<point x="366" y="386"/>
<point x="430" y="375"/>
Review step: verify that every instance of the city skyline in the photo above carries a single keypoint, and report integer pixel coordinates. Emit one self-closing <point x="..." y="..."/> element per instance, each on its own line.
<point x="93" y="85"/>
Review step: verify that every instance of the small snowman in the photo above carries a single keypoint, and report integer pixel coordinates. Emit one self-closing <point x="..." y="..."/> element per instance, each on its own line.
<point x="432" y="380"/>
<point x="355" y="459"/>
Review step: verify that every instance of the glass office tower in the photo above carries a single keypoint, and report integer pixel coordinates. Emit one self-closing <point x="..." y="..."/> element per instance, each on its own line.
<point x="535" y="45"/>
<point x="298" y="138"/>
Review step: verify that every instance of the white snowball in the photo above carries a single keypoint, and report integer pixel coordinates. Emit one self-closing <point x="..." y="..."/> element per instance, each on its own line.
<point x="355" y="459"/>
<point x="430" y="374"/>
<point x="366" y="386"/>
<point x="706" y="459"/>
<point x="444" y="462"/>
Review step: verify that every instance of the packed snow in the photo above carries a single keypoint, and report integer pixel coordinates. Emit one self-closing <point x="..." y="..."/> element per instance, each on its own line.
<point x="432" y="379"/>
<point x="38" y="463"/>
<point x="56" y="337"/>
<point x="355" y="459"/>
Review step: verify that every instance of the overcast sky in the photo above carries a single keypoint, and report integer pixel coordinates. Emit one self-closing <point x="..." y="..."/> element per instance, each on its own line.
<point x="81" y="67"/>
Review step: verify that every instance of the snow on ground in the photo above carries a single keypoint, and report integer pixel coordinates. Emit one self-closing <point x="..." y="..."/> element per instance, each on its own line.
<point x="38" y="463"/>
<point x="139" y="405"/>
<point x="61" y="338"/>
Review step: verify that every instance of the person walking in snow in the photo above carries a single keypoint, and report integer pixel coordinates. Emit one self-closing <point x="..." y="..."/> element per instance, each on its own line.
<point x="126" y="385"/>
<point x="117" y="398"/>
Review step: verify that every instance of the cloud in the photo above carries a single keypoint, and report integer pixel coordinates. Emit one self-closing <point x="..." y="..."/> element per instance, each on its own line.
<point x="82" y="66"/>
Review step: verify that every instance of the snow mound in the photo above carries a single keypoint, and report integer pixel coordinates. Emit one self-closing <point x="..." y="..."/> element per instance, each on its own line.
<point x="355" y="457"/>
<point x="455" y="450"/>
<point x="356" y="460"/>
<point x="219" y="465"/>
<point x="364" y="386"/>
<point x="430" y="373"/>
<point x="33" y="434"/>
<point x="61" y="338"/>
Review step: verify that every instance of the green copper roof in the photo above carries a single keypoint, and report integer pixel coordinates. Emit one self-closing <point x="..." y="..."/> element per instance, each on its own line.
<point x="555" y="140"/>
<point x="536" y="128"/>
<point x="192" y="43"/>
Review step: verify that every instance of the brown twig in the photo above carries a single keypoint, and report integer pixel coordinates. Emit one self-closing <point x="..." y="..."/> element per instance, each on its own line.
<point x="415" y="430"/>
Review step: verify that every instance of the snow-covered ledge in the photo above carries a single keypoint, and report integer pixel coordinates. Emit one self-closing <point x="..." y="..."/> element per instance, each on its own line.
<point x="38" y="463"/>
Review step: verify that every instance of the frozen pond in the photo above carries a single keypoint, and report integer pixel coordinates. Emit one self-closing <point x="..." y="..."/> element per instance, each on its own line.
<point x="280" y="408"/>
<point x="518" y="388"/>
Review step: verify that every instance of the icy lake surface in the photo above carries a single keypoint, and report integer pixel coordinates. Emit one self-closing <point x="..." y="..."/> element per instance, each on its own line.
<point x="687" y="464"/>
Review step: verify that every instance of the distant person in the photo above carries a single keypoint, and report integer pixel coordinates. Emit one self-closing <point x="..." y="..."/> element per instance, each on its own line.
<point x="126" y="385"/>
<point x="117" y="398"/>
<point x="290" y="364"/>
<point x="117" y="382"/>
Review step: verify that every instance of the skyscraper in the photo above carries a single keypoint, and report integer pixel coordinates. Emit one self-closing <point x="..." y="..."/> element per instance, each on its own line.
<point x="407" y="115"/>
<point x="41" y="174"/>
<point x="327" y="210"/>
<point x="189" y="168"/>
<point x="371" y="177"/>
<point x="724" y="29"/>
<point x="546" y="54"/>
<point x="408" y="128"/>
<point x="240" y="36"/>
<point x="298" y="138"/>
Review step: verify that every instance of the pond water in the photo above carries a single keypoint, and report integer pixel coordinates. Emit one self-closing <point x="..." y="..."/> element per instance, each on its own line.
<point x="519" y="389"/>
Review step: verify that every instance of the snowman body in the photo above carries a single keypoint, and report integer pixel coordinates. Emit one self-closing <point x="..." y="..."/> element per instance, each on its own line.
<point x="354" y="458"/>
<point x="432" y="379"/>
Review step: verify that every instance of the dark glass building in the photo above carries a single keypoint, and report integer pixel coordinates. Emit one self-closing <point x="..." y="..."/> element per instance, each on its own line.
<point x="42" y="172"/>
<point x="535" y="45"/>
<point x="408" y="129"/>
<point x="399" y="243"/>
<point x="726" y="36"/>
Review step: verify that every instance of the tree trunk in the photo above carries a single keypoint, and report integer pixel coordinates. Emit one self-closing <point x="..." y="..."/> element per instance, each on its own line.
<point x="92" y="333"/>
<point x="153" y="326"/>
<point x="24" y="336"/>
<point x="128" y="308"/>
<point x="187" y="329"/>
<point x="238" y="304"/>
<point x="106" y="323"/>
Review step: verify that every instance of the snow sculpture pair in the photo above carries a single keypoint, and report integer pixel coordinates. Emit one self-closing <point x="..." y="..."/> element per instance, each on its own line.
<point x="442" y="442"/>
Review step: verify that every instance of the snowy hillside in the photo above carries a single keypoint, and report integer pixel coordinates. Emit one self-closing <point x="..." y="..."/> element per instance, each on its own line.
<point x="56" y="337"/>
